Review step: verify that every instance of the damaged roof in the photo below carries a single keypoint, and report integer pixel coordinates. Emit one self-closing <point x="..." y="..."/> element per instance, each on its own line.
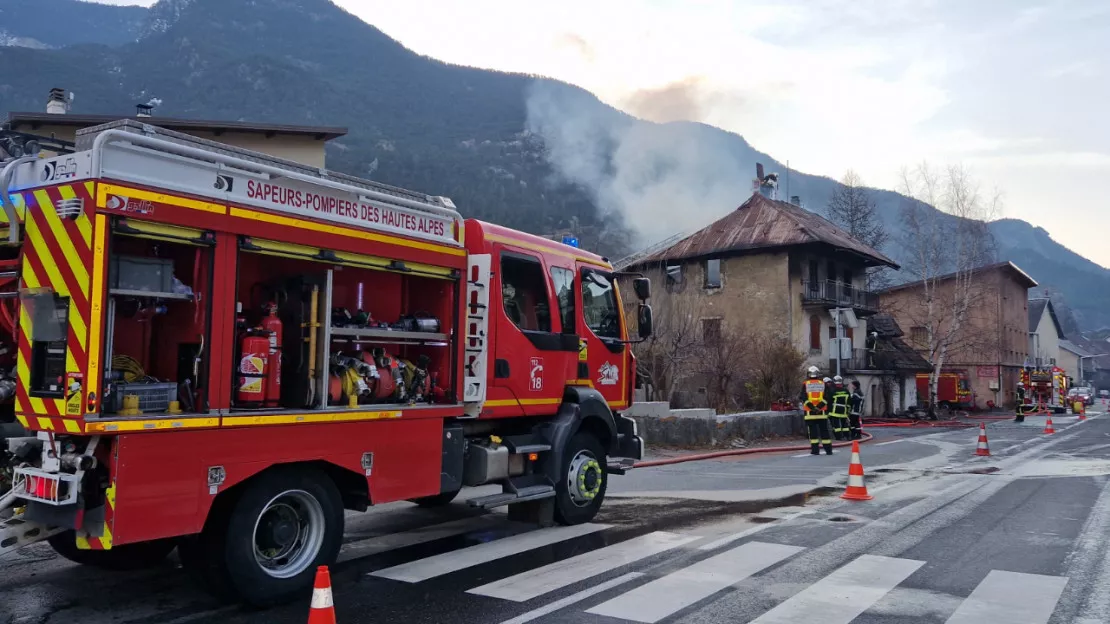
<point x="761" y="224"/>
<point x="891" y="352"/>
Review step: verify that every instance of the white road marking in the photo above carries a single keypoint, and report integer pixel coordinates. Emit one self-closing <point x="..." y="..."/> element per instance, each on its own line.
<point x="892" y="442"/>
<point x="448" y="562"/>
<point x="548" y="578"/>
<point x="422" y="535"/>
<point x="676" y="591"/>
<point x="1011" y="597"/>
<point x="552" y="607"/>
<point x="728" y="539"/>
<point x="841" y="596"/>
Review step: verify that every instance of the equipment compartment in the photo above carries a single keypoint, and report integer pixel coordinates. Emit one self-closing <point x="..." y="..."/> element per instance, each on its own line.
<point x="319" y="334"/>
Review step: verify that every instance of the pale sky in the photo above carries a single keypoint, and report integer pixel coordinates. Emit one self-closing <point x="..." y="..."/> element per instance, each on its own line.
<point x="1014" y="89"/>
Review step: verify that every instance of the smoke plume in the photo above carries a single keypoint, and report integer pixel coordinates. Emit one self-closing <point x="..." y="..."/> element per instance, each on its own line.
<point x="660" y="179"/>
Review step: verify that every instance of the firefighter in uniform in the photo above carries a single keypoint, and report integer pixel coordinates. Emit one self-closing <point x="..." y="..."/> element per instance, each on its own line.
<point x="855" y="402"/>
<point x="838" y="415"/>
<point x="1019" y="407"/>
<point x="815" y="403"/>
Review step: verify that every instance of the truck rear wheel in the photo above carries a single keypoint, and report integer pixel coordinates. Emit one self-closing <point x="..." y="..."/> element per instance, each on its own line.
<point x="121" y="558"/>
<point x="581" y="488"/>
<point x="283" y="525"/>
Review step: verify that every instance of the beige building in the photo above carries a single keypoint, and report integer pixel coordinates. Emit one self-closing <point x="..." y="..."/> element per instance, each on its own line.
<point x="302" y="144"/>
<point x="992" y="345"/>
<point x="1044" y="334"/>
<point x="773" y="267"/>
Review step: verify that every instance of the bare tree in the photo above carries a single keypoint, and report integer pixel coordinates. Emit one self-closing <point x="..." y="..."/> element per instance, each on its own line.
<point x="852" y="207"/>
<point x="775" y="369"/>
<point x="947" y="240"/>
<point x="669" y="356"/>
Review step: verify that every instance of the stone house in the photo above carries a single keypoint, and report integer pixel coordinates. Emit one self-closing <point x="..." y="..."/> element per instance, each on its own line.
<point x="770" y="266"/>
<point x="993" y="343"/>
<point x="1044" y="334"/>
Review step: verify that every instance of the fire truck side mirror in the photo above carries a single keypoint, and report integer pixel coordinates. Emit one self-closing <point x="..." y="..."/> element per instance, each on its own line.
<point x="644" y="321"/>
<point x="642" y="286"/>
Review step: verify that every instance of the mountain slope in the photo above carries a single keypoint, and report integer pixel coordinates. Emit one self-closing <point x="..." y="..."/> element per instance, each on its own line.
<point x="59" y="23"/>
<point x="533" y="154"/>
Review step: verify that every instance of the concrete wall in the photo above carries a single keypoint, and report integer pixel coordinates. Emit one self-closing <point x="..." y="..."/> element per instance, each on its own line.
<point x="720" y="430"/>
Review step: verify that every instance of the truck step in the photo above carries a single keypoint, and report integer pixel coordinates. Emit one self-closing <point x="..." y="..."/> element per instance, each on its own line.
<point x="530" y="448"/>
<point x="531" y="493"/>
<point x="620" y="466"/>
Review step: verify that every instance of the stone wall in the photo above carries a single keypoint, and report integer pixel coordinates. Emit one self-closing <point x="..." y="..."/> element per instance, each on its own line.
<point x="702" y="428"/>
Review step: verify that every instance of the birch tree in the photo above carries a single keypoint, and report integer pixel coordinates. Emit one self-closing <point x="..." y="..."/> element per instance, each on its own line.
<point x="946" y="240"/>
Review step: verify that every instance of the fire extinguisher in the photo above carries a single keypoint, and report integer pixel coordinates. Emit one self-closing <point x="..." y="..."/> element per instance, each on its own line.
<point x="254" y="351"/>
<point x="272" y="324"/>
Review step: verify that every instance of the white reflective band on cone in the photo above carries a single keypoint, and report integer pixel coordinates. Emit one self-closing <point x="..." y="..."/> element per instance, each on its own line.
<point x="321" y="598"/>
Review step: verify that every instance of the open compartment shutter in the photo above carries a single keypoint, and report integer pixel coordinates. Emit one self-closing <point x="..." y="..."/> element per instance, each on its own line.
<point x="343" y="258"/>
<point x="163" y="232"/>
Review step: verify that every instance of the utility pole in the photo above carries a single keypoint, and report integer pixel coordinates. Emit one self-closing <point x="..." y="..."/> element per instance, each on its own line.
<point x="839" y="340"/>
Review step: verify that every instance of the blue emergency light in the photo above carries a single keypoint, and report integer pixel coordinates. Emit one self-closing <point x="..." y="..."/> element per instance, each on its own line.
<point x="572" y="241"/>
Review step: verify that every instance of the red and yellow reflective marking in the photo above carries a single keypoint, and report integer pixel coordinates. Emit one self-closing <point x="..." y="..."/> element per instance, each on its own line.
<point x="104" y="190"/>
<point x="293" y="419"/>
<point x="154" y="424"/>
<point x="104" y="540"/>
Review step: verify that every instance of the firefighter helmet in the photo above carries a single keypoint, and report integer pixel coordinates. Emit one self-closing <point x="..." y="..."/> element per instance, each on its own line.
<point x="812" y="371"/>
<point x="838" y="379"/>
<point x="1021" y="383"/>
<point x="826" y="380"/>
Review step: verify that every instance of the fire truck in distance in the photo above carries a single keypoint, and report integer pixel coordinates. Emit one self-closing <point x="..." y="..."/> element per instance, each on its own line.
<point x="953" y="389"/>
<point x="1047" y="388"/>
<point x="223" y="350"/>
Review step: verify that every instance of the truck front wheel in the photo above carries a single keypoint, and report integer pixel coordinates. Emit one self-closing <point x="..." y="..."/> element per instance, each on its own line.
<point x="283" y="525"/>
<point x="581" y="488"/>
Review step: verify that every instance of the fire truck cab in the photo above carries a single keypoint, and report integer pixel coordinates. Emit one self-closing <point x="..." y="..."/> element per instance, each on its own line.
<point x="223" y="350"/>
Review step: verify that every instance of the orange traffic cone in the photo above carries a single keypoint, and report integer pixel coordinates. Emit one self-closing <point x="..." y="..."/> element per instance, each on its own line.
<point x="322" y="610"/>
<point x="983" y="448"/>
<point x="1048" y="428"/>
<point x="856" y="488"/>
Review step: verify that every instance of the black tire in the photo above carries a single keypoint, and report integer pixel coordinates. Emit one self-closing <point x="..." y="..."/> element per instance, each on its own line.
<point x="121" y="558"/>
<point x="436" y="500"/>
<point x="229" y="548"/>
<point x="568" y="509"/>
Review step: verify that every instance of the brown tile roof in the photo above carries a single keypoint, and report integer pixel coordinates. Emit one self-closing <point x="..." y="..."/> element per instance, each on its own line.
<point x="1021" y="276"/>
<point x="761" y="224"/>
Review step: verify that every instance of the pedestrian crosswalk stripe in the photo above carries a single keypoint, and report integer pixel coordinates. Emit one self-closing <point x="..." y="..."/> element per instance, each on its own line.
<point x="548" y="578"/>
<point x="1011" y="597"/>
<point x="453" y="561"/>
<point x="589" y="592"/>
<point x="412" y="537"/>
<point x="669" y="594"/>
<point x="847" y="592"/>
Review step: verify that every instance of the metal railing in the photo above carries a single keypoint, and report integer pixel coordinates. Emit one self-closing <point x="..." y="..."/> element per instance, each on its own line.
<point x="861" y="359"/>
<point x="838" y="294"/>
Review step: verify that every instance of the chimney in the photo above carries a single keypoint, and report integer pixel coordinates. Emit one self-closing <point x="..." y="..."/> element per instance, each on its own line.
<point x="56" y="103"/>
<point x="143" y="110"/>
<point x="797" y="201"/>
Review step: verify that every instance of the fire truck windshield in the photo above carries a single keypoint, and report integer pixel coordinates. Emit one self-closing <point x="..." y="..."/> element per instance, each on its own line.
<point x="599" y="305"/>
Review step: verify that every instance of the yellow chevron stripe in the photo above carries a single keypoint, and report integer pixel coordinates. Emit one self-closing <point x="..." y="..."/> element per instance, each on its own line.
<point x="84" y="226"/>
<point x="61" y="237"/>
<point x="22" y="370"/>
<point x="34" y="234"/>
<point x="72" y="426"/>
<point x="83" y="542"/>
<point x="22" y="420"/>
<point x="45" y="423"/>
<point x="110" y="495"/>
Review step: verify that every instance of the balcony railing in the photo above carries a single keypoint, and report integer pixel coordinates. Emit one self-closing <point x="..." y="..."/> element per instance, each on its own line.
<point x="834" y="294"/>
<point x="861" y="359"/>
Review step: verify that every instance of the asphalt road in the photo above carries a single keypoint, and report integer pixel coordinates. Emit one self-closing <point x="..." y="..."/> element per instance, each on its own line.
<point x="1017" y="538"/>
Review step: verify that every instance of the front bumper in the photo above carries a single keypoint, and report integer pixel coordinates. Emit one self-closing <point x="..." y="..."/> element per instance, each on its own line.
<point x="629" y="443"/>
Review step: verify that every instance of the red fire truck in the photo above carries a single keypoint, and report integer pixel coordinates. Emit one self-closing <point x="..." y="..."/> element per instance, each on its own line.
<point x="1047" y="388"/>
<point x="222" y="350"/>
<point x="953" y="389"/>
